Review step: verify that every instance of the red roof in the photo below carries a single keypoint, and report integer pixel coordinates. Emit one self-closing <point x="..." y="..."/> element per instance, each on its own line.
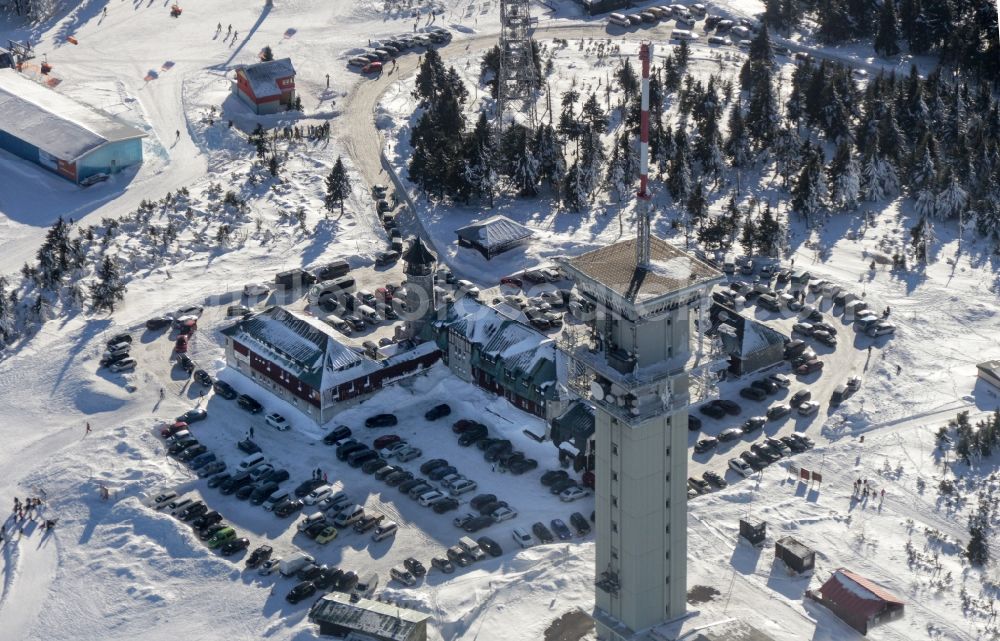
<point x="856" y="593"/>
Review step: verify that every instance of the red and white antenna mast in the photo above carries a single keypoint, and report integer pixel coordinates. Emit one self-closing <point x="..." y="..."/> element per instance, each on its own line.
<point x="642" y="206"/>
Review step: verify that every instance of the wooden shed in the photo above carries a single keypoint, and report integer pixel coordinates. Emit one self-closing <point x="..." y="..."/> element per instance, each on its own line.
<point x="795" y="555"/>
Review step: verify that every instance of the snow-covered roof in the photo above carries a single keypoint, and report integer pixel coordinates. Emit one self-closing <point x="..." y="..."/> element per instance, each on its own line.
<point x="375" y="618"/>
<point x="300" y="343"/>
<point x="494" y="232"/>
<point x="263" y="76"/>
<point x="854" y="592"/>
<point x="743" y="336"/>
<point x="615" y="267"/>
<point x="54" y="122"/>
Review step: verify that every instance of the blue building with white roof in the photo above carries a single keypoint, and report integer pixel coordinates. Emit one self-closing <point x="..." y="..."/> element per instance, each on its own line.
<point x="60" y="134"/>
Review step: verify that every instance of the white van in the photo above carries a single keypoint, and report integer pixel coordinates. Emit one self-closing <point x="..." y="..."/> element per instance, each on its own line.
<point x="365" y="587"/>
<point x="350" y="515"/>
<point x="619" y="19"/>
<point x="470" y="546"/>
<point x="368" y="314"/>
<point x="684" y="34"/>
<point x="292" y="564"/>
<point x="250" y="461"/>
<point x="385" y="530"/>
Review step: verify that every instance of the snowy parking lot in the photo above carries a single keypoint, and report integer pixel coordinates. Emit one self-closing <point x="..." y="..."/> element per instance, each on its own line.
<point x="422" y="533"/>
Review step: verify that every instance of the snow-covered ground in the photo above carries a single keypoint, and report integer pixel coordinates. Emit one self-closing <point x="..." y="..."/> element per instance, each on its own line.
<point x="115" y="569"/>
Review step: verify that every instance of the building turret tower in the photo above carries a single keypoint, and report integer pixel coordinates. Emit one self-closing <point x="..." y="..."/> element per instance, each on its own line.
<point x="420" y="302"/>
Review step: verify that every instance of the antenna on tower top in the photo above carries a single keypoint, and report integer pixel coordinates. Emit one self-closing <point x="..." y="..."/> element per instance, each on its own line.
<point x="642" y="205"/>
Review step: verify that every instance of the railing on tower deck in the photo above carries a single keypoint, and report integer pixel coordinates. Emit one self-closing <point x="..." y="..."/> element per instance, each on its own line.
<point x="643" y="393"/>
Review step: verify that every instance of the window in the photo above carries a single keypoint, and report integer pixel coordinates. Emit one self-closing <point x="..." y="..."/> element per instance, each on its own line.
<point x="668" y="555"/>
<point x="614" y="476"/>
<point x="668" y="504"/>
<point x="668" y="452"/>
<point x="668" y="529"/>
<point x="614" y="450"/>
<point x="668" y="477"/>
<point x="614" y="501"/>
<point x="614" y="553"/>
<point x="614" y="526"/>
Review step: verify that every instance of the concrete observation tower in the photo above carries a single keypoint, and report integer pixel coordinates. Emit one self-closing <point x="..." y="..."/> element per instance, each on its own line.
<point x="641" y="363"/>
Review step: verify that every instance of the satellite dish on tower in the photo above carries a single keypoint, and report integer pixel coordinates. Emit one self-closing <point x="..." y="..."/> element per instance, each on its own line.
<point x="596" y="391"/>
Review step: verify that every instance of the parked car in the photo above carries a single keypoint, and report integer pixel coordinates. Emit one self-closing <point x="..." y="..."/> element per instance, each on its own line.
<point x="438" y="411"/>
<point x="809" y="367"/>
<point x="731" y="434"/>
<point x="443" y="564"/>
<point x="445" y="505"/>
<point x="580" y="523"/>
<point x="553" y="476"/>
<point x="778" y="411"/>
<point x="248" y="446"/>
<point x="800" y="397"/>
<point x="753" y="424"/>
<point x="807" y="408"/>
<point x="698" y="485"/>
<point x="381" y="420"/>
<point x="740" y="467"/>
<point x="158" y="322"/>
<point x="714" y="478"/>
<point x="705" y="445"/>
<point x="459" y="557"/>
<point x="277" y="421"/>
<point x="753" y="393"/>
<point x="573" y="493"/>
<point x="249" y="403"/>
<point x="236" y="545"/>
<point x="542" y="532"/>
<point x="489" y="546"/>
<point x="224" y="390"/>
<point x="305" y="589"/>
<point x="561" y="529"/>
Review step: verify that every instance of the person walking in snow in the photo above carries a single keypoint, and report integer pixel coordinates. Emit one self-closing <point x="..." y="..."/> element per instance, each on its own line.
<point x="88" y="429"/>
<point x="251" y="431"/>
<point x="229" y="30"/>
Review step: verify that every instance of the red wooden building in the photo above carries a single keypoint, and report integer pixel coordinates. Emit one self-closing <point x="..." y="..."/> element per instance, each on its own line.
<point x="266" y="87"/>
<point x="299" y="359"/>
<point x="859" y="602"/>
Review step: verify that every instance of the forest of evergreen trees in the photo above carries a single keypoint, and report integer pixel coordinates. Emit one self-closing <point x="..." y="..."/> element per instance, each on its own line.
<point x="830" y="144"/>
<point x="961" y="32"/>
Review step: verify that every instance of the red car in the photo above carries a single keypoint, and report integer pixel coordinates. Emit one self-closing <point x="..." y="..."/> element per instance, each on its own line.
<point x="372" y="67"/>
<point x="383" y="294"/>
<point x="170" y="430"/>
<point x="809" y="367"/>
<point x="181" y="346"/>
<point x="386" y="440"/>
<point x="511" y="280"/>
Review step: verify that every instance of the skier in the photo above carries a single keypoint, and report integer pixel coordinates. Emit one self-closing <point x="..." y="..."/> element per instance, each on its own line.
<point x="229" y="30"/>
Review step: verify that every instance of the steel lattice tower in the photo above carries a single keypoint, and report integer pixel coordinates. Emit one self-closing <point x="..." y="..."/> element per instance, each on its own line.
<point x="517" y="81"/>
